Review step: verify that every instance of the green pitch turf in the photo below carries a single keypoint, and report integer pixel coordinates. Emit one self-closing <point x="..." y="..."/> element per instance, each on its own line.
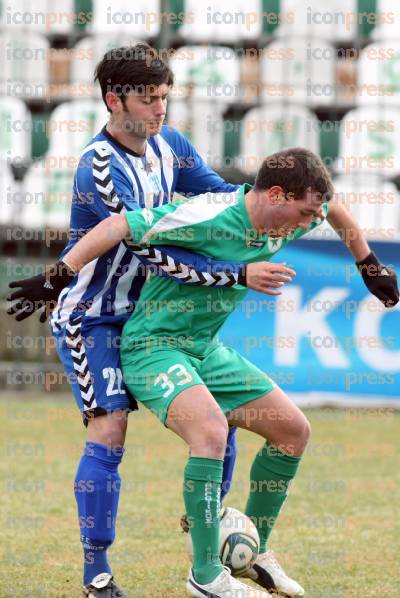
<point x="338" y="534"/>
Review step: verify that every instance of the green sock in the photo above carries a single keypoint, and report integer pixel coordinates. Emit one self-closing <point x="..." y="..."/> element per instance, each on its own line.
<point x="270" y="475"/>
<point x="201" y="493"/>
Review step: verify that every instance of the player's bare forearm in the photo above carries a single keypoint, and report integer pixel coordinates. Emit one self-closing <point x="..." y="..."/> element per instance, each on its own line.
<point x="344" y="223"/>
<point x="98" y="241"/>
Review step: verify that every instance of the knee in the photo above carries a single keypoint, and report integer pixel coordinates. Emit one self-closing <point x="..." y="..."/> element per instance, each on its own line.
<point x="299" y="435"/>
<point x="211" y="443"/>
<point x="109" y="429"/>
<point x="115" y="433"/>
<point x="305" y="433"/>
<point x="292" y="436"/>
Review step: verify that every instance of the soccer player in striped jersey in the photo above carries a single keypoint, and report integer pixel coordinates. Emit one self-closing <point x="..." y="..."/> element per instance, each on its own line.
<point x="178" y="368"/>
<point x="134" y="162"/>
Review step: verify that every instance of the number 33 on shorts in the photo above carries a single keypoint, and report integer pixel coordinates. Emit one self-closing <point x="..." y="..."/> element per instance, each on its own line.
<point x="176" y="375"/>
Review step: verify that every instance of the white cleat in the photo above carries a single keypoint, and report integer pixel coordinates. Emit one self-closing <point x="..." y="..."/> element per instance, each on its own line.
<point x="268" y="573"/>
<point x="223" y="586"/>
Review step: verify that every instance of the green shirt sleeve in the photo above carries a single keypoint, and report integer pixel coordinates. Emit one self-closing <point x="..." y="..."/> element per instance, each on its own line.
<point x="183" y="223"/>
<point x="146" y="225"/>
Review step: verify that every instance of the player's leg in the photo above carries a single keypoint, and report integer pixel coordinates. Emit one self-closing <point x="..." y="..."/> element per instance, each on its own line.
<point x="97" y="488"/>
<point x="227" y="472"/>
<point x="91" y="359"/>
<point x="286" y="431"/>
<point x="251" y="400"/>
<point x="195" y="417"/>
<point x="167" y="382"/>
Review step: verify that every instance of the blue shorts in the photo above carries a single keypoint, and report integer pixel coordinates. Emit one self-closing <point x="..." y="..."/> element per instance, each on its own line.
<point x="89" y="352"/>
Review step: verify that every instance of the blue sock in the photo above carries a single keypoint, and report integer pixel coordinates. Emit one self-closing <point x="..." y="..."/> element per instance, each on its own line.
<point x="97" y="486"/>
<point x="229" y="462"/>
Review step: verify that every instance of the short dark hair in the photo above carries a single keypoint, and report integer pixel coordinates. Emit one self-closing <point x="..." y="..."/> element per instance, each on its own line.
<point x="295" y="170"/>
<point x="131" y="68"/>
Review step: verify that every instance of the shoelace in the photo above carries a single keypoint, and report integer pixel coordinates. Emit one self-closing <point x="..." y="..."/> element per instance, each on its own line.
<point x="227" y="572"/>
<point x="240" y="583"/>
<point x="271" y="558"/>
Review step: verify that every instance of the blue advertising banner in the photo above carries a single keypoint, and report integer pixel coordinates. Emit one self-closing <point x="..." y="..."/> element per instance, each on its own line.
<point x="326" y="333"/>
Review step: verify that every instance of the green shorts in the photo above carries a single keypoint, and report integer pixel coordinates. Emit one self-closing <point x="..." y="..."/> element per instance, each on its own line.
<point x="156" y="376"/>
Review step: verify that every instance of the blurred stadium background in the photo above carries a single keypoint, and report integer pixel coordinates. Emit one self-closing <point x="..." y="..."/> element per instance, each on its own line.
<point x="252" y="77"/>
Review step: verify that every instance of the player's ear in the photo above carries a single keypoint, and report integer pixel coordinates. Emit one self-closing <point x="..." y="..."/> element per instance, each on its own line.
<point x="113" y="101"/>
<point x="276" y="195"/>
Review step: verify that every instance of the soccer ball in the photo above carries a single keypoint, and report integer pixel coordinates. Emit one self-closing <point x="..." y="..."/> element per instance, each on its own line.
<point x="238" y="541"/>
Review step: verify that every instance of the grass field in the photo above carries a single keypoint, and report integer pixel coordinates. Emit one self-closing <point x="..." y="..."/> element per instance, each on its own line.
<point x="338" y="533"/>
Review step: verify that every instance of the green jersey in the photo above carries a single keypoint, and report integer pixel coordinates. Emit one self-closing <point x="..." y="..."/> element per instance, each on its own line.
<point x="189" y="317"/>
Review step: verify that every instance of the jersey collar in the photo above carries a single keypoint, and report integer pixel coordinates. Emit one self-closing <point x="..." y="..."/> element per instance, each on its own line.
<point x="120" y="145"/>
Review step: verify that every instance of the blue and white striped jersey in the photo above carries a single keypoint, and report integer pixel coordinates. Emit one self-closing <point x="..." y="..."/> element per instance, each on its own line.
<point x="111" y="179"/>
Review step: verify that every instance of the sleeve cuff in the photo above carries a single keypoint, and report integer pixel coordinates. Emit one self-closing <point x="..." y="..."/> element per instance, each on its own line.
<point x="242" y="276"/>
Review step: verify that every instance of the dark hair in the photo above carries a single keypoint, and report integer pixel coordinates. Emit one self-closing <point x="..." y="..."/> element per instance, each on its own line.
<point x="295" y="170"/>
<point x="131" y="68"/>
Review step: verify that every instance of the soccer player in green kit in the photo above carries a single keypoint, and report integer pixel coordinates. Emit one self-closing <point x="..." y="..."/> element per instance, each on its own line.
<point x="176" y="366"/>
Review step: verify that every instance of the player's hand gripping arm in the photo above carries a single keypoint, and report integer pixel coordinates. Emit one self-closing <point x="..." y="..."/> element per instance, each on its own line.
<point x="187" y="267"/>
<point x="380" y="280"/>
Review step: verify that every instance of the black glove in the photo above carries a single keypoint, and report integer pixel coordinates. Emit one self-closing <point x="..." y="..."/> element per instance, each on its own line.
<point x="39" y="291"/>
<point x="380" y="280"/>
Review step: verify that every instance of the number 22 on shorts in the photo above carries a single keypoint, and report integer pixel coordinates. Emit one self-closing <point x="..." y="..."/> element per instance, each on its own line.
<point x="114" y="377"/>
<point x="178" y="371"/>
